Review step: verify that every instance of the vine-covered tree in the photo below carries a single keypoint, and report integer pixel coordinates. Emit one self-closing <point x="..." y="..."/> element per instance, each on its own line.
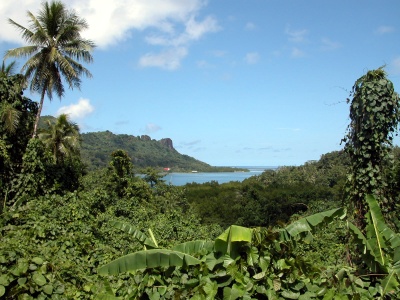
<point x="55" y="47"/>
<point x="120" y="172"/>
<point x="17" y="114"/>
<point x="374" y="114"/>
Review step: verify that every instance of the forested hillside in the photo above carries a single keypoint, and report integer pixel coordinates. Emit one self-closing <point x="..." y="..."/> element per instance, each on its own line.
<point x="144" y="151"/>
<point x="96" y="148"/>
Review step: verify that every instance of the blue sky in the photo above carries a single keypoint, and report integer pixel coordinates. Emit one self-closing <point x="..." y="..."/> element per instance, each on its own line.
<point x="239" y="82"/>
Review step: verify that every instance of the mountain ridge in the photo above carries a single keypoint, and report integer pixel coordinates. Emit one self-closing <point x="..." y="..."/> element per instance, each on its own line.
<point x="96" y="149"/>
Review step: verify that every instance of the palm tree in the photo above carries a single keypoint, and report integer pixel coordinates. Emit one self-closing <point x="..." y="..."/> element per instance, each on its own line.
<point x="61" y="137"/>
<point x="7" y="70"/>
<point x="54" y="50"/>
<point x="9" y="115"/>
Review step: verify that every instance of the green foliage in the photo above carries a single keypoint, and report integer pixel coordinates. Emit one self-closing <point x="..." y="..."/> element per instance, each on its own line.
<point x="72" y="235"/>
<point x="152" y="176"/>
<point x="380" y="245"/>
<point x="273" y="196"/>
<point x="245" y="263"/>
<point x="33" y="179"/>
<point x="374" y="114"/>
<point x="16" y="122"/>
<point x="120" y="172"/>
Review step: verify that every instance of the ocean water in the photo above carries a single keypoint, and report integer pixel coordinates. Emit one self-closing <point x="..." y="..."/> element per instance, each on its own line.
<point x="220" y="177"/>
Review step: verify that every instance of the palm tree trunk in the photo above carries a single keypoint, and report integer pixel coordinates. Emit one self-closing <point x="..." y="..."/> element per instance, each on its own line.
<point x="34" y="135"/>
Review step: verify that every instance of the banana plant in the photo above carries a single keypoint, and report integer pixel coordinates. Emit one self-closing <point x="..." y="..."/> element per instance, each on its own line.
<point x="225" y="248"/>
<point x="180" y="256"/>
<point x="380" y="247"/>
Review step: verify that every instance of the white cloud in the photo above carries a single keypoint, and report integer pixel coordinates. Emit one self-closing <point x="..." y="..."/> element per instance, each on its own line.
<point x="250" y="26"/>
<point x="114" y="21"/>
<point x="77" y="111"/>
<point x="193" y="31"/>
<point x="296" y="53"/>
<point x="176" y="45"/>
<point x="384" y="29"/>
<point x="151" y="128"/>
<point x="252" y="58"/>
<point x="169" y="59"/>
<point x="328" y="44"/>
<point x="296" y="36"/>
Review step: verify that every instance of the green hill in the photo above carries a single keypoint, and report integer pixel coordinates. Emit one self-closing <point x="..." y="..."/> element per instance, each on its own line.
<point x="96" y="148"/>
<point x="145" y="152"/>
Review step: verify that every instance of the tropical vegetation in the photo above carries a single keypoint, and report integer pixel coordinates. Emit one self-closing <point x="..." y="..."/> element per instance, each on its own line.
<point x="328" y="229"/>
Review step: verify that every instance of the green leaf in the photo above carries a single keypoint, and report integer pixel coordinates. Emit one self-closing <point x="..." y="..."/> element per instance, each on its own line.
<point x="230" y="293"/>
<point x="290" y="295"/>
<point x="252" y="256"/>
<point x="37" y="260"/>
<point x="22" y="280"/>
<point x="375" y="229"/>
<point x="211" y="289"/>
<point x="39" y="279"/>
<point x="136" y="233"/>
<point x="306" y="224"/>
<point x="2" y="290"/>
<point x="148" y="259"/>
<point x="48" y="289"/>
<point x="366" y="251"/>
<point x="230" y="241"/>
<point x="4" y="280"/>
<point x="21" y="268"/>
<point x="389" y="284"/>
<point x="195" y="247"/>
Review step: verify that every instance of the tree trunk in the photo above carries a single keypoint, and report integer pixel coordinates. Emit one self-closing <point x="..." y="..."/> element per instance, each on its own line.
<point x="34" y="135"/>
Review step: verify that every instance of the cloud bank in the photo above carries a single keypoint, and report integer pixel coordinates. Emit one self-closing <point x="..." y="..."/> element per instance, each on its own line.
<point x="174" y="24"/>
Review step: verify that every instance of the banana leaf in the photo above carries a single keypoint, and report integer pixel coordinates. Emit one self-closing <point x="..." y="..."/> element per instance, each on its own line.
<point x="389" y="240"/>
<point x="380" y="245"/>
<point x="195" y="247"/>
<point x="148" y="259"/>
<point x="367" y="251"/>
<point x="390" y="283"/>
<point x="232" y="239"/>
<point x="305" y="225"/>
<point x="146" y="241"/>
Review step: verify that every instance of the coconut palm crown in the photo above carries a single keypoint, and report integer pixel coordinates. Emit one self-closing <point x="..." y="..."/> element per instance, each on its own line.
<point x="61" y="137"/>
<point x="55" y="49"/>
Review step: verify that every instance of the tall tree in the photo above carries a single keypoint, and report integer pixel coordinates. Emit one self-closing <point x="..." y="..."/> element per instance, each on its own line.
<point x="55" y="48"/>
<point x="61" y="138"/>
<point x="374" y="114"/>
